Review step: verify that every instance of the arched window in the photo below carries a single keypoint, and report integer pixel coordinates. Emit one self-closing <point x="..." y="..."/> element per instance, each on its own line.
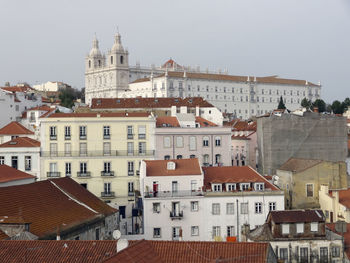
<point x="179" y="156"/>
<point x="89" y="63"/>
<point x="217" y="141"/>
<point x="99" y="63"/>
<point x="205" y="141"/>
<point x="121" y="59"/>
<point x="167" y="157"/>
<point x="192" y="156"/>
<point x="206" y="160"/>
<point x="111" y="60"/>
<point x="218" y="159"/>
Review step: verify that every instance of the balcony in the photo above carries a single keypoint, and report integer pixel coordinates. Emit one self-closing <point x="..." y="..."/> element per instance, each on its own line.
<point x="82" y="137"/>
<point x="130" y="136"/>
<point x="104" y="173"/>
<point x="97" y="153"/>
<point x="142" y="136"/>
<point x="182" y="193"/>
<point x="131" y="193"/>
<point x="176" y="215"/>
<point x="84" y="174"/>
<point x="67" y="137"/>
<point x="53" y="137"/>
<point x="106" y="136"/>
<point x="53" y="174"/>
<point x="107" y="194"/>
<point x="130" y="173"/>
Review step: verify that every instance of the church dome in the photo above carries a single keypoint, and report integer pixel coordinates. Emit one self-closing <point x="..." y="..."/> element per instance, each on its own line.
<point x="117" y="46"/>
<point x="95" y="51"/>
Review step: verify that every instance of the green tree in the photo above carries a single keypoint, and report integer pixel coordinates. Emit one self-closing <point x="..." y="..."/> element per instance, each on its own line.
<point x="338" y="107"/>
<point x="67" y="97"/>
<point x="281" y="105"/>
<point x="320" y="104"/>
<point x="305" y="103"/>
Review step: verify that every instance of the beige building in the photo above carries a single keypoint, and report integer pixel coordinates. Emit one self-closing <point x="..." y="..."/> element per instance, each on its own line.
<point x="101" y="151"/>
<point x="301" y="180"/>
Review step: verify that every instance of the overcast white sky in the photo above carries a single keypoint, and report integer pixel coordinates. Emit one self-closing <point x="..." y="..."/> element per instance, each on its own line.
<point x="47" y="40"/>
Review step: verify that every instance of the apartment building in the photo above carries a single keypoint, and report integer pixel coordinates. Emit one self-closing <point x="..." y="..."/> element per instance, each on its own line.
<point x="101" y="151"/>
<point x="183" y="202"/>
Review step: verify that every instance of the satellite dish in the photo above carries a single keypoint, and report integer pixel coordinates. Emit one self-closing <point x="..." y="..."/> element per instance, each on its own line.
<point x="116" y="234"/>
<point x="122" y="244"/>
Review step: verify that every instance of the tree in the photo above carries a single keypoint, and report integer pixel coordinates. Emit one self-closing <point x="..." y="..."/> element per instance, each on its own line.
<point x="67" y="97"/>
<point x="320" y="104"/>
<point x="305" y="103"/>
<point x="338" y="107"/>
<point x="281" y="105"/>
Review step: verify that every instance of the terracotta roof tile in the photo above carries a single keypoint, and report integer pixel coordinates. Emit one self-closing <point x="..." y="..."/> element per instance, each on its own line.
<point x="298" y="165"/>
<point x="21" y="142"/>
<point x="147" y="103"/>
<point x="8" y="174"/>
<point x="52" y="251"/>
<point x="344" y="197"/>
<point x="182" y="167"/>
<point x="193" y="252"/>
<point x="46" y="206"/>
<point x="234" y="174"/>
<point x="295" y="216"/>
<point x="346" y="235"/>
<point x="140" y="80"/>
<point x="239" y="125"/>
<point x="102" y="115"/>
<point x="167" y="121"/>
<point x="14" y="128"/>
<point x="18" y="88"/>
<point x="204" y="123"/>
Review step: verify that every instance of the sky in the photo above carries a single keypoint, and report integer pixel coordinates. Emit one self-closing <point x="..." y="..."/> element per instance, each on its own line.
<point x="48" y="40"/>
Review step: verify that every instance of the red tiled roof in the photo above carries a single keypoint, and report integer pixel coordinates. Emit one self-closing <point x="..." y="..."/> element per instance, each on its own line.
<point x="102" y="115"/>
<point x="54" y="203"/>
<point x="8" y="174"/>
<point x="12" y="220"/>
<point x="192" y="252"/>
<point x="234" y="174"/>
<point x="52" y="251"/>
<point x="18" y="88"/>
<point x="148" y="103"/>
<point x="243" y="137"/>
<point x="167" y="121"/>
<point x="140" y="80"/>
<point x="346" y="235"/>
<point x="239" y="125"/>
<point x="204" y="123"/>
<point x="14" y="128"/>
<point x="171" y="63"/>
<point x="295" y="216"/>
<point x="298" y="165"/>
<point x="344" y="197"/>
<point x="21" y="142"/>
<point x="182" y="167"/>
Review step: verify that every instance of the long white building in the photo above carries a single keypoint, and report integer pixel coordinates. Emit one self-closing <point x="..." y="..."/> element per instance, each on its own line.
<point x="109" y="76"/>
<point x="181" y="201"/>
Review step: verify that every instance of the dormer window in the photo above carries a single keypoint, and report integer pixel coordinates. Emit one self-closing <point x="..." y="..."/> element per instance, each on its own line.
<point x="216" y="187"/>
<point x="244" y="186"/>
<point x="259" y="186"/>
<point x="314" y="227"/>
<point x="300" y="228"/>
<point x="285" y="229"/>
<point x="230" y="187"/>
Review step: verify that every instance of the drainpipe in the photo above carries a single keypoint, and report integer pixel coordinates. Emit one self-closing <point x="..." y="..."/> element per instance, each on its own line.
<point x="237" y="221"/>
<point x="173" y="146"/>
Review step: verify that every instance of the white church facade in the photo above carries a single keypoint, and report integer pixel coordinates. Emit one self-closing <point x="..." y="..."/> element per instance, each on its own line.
<point x="110" y="76"/>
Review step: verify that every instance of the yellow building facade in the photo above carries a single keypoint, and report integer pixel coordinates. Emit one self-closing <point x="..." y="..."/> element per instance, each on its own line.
<point x="101" y="151"/>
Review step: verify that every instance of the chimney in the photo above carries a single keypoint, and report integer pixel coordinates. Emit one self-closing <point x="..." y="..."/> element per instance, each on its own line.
<point x="315" y="109"/>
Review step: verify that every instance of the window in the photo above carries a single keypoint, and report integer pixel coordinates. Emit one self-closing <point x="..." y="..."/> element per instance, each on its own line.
<point x="217" y="141"/>
<point x="205" y="159"/>
<point x="244" y="208"/>
<point x="304" y="257"/>
<point x="130" y="132"/>
<point x="300" y="228"/>
<point x="142" y="132"/>
<point x="218" y="159"/>
<point x="130" y="188"/>
<point x="216" y="231"/>
<point x="28" y="163"/>
<point x="205" y="141"/>
<point x="176" y="233"/>
<point x="107" y="188"/>
<point x="106" y="132"/>
<point x="68" y="169"/>
<point x="82" y="132"/>
<point x="272" y="206"/>
<point x="106" y="148"/>
<point x="83" y="148"/>
<point x="167" y="157"/>
<point x="194" y="206"/>
<point x="142" y="148"/>
<point x="309" y="190"/>
<point x="83" y="168"/>
<point x="285" y="229"/>
<point x="314" y="226"/>
<point x="67" y="149"/>
<point x="97" y="234"/>
<point x="258" y="208"/>
<point x="216" y="209"/>
<point x="193" y="143"/>
<point x="106" y="167"/>
<point x="194" y="230"/>
<point x="2" y="160"/>
<point x="179" y="156"/>
<point x="335" y="252"/>
<point x="284" y="253"/>
<point x="244" y="186"/>
<point x="156" y="208"/>
<point x="259" y="186"/>
<point x="230" y="208"/>
<point x="156" y="232"/>
<point x="179" y="141"/>
<point x="53" y="134"/>
<point x="111" y="60"/>
<point x="67" y="133"/>
<point x="53" y="149"/>
<point x="216" y="187"/>
<point x="121" y="59"/>
<point x="130" y="148"/>
<point x="230" y="231"/>
<point x="193" y="185"/>
<point x="166" y="142"/>
<point x="323" y="254"/>
<point x="130" y="168"/>
<point x="192" y="156"/>
<point x="230" y="187"/>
